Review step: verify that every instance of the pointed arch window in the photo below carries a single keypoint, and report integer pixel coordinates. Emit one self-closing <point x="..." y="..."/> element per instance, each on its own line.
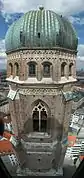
<point x="16" y="69"/>
<point x="70" y="69"/>
<point x="63" y="69"/>
<point x="39" y="118"/>
<point x="10" y="68"/>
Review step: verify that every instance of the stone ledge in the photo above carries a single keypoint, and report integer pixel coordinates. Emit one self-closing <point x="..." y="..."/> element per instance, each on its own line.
<point x="51" y="172"/>
<point x="38" y="146"/>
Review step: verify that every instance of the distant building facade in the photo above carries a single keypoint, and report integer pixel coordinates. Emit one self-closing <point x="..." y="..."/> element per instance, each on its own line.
<point x="41" y="49"/>
<point x="8" y="156"/>
<point x="7" y="150"/>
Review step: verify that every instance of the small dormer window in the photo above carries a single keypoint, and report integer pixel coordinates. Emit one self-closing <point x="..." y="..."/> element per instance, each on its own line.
<point x="22" y="38"/>
<point x="32" y="69"/>
<point x="38" y="35"/>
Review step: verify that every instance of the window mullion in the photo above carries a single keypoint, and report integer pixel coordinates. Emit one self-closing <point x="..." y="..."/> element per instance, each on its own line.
<point x="39" y="121"/>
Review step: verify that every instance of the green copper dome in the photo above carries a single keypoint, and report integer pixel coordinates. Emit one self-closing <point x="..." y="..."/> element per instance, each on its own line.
<point x="41" y="29"/>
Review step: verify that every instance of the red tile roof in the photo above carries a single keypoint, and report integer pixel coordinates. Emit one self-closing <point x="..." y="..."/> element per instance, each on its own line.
<point x="7" y="135"/>
<point x="81" y="157"/>
<point x="71" y="140"/>
<point x="6" y="147"/>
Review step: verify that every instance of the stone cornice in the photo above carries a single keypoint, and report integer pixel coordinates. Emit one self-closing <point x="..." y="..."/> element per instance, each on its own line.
<point x="21" y="50"/>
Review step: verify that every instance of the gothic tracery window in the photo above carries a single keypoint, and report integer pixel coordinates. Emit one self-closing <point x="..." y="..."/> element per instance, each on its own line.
<point x="39" y="118"/>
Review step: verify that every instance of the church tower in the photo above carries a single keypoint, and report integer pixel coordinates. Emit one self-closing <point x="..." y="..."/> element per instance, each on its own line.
<point x="41" y="50"/>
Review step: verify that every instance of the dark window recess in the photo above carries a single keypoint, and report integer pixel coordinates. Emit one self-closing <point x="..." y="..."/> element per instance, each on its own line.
<point x="11" y="68"/>
<point x="41" y="139"/>
<point x="36" y="121"/>
<point x="43" y="127"/>
<point x="21" y="35"/>
<point x="32" y="69"/>
<point x="22" y="38"/>
<point x="16" y="69"/>
<point x="63" y="69"/>
<point x="38" y="35"/>
<point x="39" y="159"/>
<point x="39" y="107"/>
<point x="35" y="125"/>
<point x="70" y="69"/>
<point x="46" y="70"/>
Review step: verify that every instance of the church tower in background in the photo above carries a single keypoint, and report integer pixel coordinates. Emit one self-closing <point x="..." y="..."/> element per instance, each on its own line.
<point x="41" y="50"/>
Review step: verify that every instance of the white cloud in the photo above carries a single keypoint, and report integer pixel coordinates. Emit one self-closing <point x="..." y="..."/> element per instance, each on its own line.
<point x="66" y="7"/>
<point x="76" y="20"/>
<point x="80" y="57"/>
<point x="6" y="16"/>
<point x="79" y="63"/>
<point x="81" y="50"/>
<point x="3" y="57"/>
<point x="2" y="48"/>
<point x="2" y="45"/>
<point x="82" y="21"/>
<point x="1" y="5"/>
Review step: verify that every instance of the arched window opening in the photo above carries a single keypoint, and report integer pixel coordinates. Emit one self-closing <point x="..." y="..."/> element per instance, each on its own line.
<point x="46" y="69"/>
<point x="16" y="69"/>
<point x="39" y="118"/>
<point x="63" y="69"/>
<point x="70" y="69"/>
<point x="10" y="69"/>
<point x="32" y="69"/>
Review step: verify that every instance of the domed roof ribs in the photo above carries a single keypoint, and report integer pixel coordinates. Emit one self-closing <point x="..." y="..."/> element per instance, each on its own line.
<point x="41" y="29"/>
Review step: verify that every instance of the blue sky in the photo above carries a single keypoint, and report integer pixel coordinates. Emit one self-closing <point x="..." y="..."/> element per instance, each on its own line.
<point x="11" y="10"/>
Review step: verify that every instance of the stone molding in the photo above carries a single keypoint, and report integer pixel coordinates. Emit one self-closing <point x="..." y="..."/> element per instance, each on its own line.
<point x="25" y="53"/>
<point x="39" y="91"/>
